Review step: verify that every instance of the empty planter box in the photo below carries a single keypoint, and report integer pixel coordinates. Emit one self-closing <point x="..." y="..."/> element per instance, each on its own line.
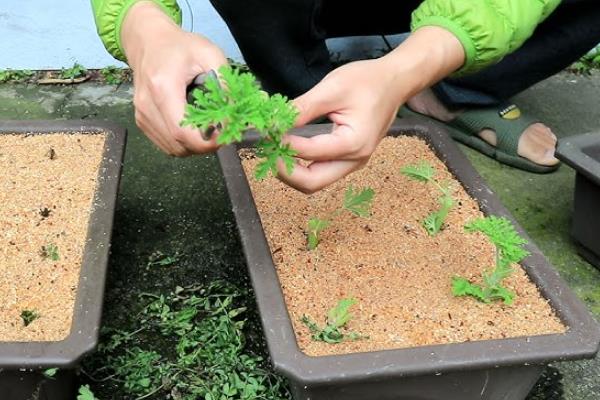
<point x="582" y="153"/>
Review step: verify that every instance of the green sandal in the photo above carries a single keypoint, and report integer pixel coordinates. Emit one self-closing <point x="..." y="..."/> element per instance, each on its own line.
<point x="508" y="123"/>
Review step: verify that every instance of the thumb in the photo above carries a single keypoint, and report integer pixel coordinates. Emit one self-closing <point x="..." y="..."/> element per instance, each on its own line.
<point x="315" y="103"/>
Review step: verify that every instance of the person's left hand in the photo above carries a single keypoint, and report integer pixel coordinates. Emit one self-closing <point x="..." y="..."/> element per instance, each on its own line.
<point x="358" y="98"/>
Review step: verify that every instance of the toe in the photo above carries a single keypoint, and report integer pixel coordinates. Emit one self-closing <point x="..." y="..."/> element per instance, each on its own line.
<point x="538" y="144"/>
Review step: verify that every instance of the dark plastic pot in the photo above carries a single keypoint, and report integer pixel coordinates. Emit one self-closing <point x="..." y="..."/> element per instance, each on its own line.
<point x="492" y="369"/>
<point x="582" y="152"/>
<point x="22" y="364"/>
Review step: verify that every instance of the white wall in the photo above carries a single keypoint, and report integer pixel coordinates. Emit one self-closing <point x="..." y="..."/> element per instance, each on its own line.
<point x="51" y="34"/>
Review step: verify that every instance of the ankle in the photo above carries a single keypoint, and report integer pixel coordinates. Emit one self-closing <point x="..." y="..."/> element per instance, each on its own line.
<point x="427" y="103"/>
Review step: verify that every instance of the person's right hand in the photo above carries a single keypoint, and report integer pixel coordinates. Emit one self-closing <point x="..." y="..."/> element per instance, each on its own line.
<point x="165" y="59"/>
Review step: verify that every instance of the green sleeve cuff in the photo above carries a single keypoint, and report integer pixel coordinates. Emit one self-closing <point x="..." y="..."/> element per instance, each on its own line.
<point x="461" y="34"/>
<point x="110" y="15"/>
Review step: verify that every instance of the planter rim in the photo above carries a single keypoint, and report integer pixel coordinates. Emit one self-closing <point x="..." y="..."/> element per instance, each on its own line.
<point x="84" y="332"/>
<point x="580" y="341"/>
<point x="570" y="150"/>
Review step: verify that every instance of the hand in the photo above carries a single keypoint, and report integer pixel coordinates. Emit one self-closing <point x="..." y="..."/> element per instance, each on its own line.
<point x="357" y="99"/>
<point x="362" y="99"/>
<point x="165" y="59"/>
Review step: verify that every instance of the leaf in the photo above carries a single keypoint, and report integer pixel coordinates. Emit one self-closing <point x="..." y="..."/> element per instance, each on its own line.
<point x="503" y="235"/>
<point x="28" y="316"/>
<point x="315" y="227"/>
<point x="240" y="105"/>
<point x="339" y="315"/>
<point x="499" y="293"/>
<point x="85" y="393"/>
<point x="462" y="287"/>
<point x="433" y="222"/>
<point x="358" y="203"/>
<point x="422" y="172"/>
<point x="50" y="372"/>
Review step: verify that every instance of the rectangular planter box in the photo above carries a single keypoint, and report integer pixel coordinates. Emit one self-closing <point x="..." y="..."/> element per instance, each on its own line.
<point x="22" y="363"/>
<point x="492" y="369"/>
<point x="582" y="153"/>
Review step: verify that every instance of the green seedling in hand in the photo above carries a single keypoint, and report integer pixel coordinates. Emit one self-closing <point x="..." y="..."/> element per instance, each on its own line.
<point x="509" y="250"/>
<point x="50" y="251"/>
<point x="358" y="203"/>
<point x="337" y="318"/>
<point x="28" y="316"/>
<point x="242" y="105"/>
<point x="424" y="172"/>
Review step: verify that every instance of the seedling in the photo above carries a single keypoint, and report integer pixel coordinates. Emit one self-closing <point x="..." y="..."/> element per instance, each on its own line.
<point x="240" y="106"/>
<point x="28" y="316"/>
<point x="159" y="259"/>
<point x="50" y="251"/>
<point x="76" y="71"/>
<point x="85" y="393"/>
<point x="337" y="318"/>
<point x="358" y="203"/>
<point x="424" y="172"/>
<point x="509" y="250"/>
<point x="45" y="212"/>
<point x="15" y="76"/>
<point x="112" y="75"/>
<point x="50" y="372"/>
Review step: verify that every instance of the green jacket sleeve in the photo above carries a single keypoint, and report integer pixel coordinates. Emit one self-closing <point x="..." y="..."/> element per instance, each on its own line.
<point x="109" y="15"/>
<point x="488" y="30"/>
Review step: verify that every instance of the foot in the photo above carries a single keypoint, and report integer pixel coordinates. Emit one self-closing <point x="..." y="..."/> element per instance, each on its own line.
<point x="537" y="143"/>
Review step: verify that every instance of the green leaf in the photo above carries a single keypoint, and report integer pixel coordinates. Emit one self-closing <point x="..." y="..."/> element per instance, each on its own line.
<point x="50" y="372"/>
<point x="28" y="316"/>
<point x="358" y="203"/>
<point x="433" y="222"/>
<point x="422" y="172"/>
<point x="315" y="227"/>
<point x="340" y="314"/>
<point x="503" y="235"/>
<point x="462" y="287"/>
<point x="85" y="393"/>
<point x="239" y="106"/>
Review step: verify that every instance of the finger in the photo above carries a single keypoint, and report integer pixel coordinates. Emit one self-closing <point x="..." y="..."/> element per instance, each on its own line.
<point x="341" y="144"/>
<point x="316" y="176"/>
<point x="153" y="130"/>
<point x="171" y="106"/>
<point x="316" y="103"/>
<point x="151" y="123"/>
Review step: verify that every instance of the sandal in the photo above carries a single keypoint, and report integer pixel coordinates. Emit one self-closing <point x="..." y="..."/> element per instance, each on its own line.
<point x="508" y="123"/>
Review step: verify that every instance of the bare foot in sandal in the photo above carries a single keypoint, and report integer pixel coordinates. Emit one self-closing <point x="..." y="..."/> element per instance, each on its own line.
<point x="537" y="142"/>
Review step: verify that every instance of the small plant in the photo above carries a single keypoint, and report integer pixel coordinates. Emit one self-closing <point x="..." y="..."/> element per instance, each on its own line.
<point x="28" y="316"/>
<point x="190" y="344"/>
<point x="76" y="71"/>
<point x="85" y="393"/>
<point x="50" y="251"/>
<point x="50" y="372"/>
<point x="112" y="75"/>
<point x="509" y="250"/>
<point x="358" y="203"/>
<point x="159" y="259"/>
<point x="240" y="106"/>
<point x="424" y="172"/>
<point x="15" y="76"/>
<point x="587" y="63"/>
<point x="337" y="318"/>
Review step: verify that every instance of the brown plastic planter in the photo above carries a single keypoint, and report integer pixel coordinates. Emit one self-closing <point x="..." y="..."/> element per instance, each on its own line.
<point x="582" y="153"/>
<point x="22" y="364"/>
<point x="493" y="369"/>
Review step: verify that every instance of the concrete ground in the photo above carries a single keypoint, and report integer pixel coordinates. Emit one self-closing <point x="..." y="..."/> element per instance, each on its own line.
<point x="181" y="206"/>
